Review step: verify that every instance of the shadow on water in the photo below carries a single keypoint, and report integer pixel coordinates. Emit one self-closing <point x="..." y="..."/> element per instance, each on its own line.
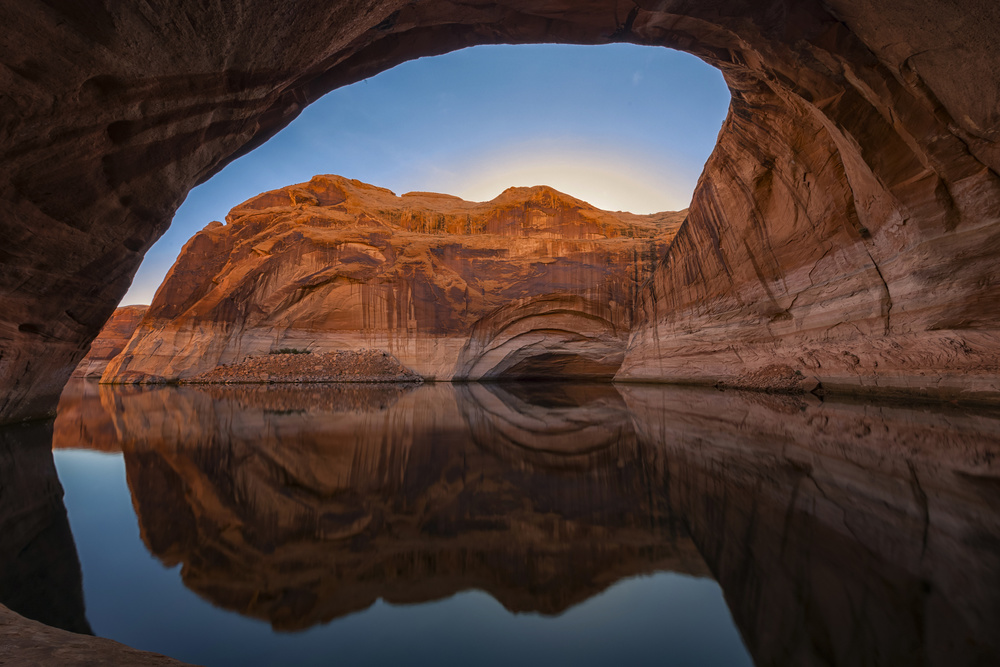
<point x="39" y="569"/>
<point x="840" y="533"/>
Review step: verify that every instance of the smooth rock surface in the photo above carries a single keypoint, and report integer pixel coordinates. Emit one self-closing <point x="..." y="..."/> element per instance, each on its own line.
<point x="27" y="643"/>
<point x="531" y="284"/>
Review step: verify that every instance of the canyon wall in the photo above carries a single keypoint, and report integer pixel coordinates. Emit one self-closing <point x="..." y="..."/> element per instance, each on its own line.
<point x="110" y="341"/>
<point x="531" y="284"/>
<point x="845" y="229"/>
<point x="847" y="218"/>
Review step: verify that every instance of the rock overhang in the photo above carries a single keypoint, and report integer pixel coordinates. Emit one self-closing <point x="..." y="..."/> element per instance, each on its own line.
<point x="854" y="187"/>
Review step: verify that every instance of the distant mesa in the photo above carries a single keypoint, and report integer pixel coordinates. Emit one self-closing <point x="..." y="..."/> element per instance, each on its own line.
<point x="534" y="283"/>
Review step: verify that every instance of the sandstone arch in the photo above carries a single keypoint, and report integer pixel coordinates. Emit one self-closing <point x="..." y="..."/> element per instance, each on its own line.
<point x="847" y="223"/>
<point x="545" y="337"/>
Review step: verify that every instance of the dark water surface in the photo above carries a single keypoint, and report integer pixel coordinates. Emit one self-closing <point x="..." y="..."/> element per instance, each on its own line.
<point x="507" y="524"/>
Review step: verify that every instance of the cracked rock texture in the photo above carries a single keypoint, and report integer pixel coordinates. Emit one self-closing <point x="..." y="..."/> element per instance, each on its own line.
<point x="847" y="222"/>
<point x="531" y="284"/>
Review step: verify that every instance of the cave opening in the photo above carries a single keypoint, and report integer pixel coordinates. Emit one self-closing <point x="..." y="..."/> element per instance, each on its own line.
<point x="621" y="127"/>
<point x="854" y="175"/>
<point x="547" y="366"/>
<point x="846" y="233"/>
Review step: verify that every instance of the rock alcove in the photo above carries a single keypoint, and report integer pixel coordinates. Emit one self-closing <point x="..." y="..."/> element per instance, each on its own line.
<point x="845" y="227"/>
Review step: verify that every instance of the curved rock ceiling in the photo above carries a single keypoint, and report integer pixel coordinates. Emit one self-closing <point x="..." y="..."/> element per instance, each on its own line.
<point x="845" y="226"/>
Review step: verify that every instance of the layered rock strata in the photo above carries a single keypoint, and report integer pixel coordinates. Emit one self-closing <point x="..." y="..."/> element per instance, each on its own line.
<point x="847" y="218"/>
<point x="110" y="342"/>
<point x="531" y="284"/>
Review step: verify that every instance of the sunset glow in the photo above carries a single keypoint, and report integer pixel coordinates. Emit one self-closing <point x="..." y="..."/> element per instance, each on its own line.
<point x="622" y="127"/>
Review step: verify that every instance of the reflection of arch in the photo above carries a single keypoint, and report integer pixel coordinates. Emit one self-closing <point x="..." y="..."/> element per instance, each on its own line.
<point x="554" y="335"/>
<point x="299" y="505"/>
<point x="854" y="176"/>
<point x="559" y="426"/>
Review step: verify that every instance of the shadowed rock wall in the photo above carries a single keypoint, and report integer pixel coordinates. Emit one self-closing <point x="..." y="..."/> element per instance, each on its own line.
<point x="39" y="570"/>
<point x="848" y="217"/>
<point x="841" y="534"/>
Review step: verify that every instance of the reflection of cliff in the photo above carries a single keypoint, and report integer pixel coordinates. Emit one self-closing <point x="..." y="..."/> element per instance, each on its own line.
<point x="39" y="570"/>
<point x="841" y="534"/>
<point x="301" y="509"/>
<point x="82" y="421"/>
<point x="561" y="425"/>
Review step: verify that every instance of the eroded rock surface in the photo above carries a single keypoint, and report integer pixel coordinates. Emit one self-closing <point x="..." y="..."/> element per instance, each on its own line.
<point x="531" y="284"/>
<point x="27" y="643"/>
<point x="110" y="342"/>
<point x="851" y="205"/>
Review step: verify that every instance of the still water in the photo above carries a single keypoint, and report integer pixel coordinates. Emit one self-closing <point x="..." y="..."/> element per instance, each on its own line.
<point x="507" y="524"/>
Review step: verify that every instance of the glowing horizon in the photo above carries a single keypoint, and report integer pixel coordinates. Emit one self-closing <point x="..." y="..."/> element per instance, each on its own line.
<point x="597" y="176"/>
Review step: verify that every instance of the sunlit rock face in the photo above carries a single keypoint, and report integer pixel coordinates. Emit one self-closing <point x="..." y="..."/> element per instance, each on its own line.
<point x="533" y="283"/>
<point x="846" y="225"/>
<point x="110" y="342"/>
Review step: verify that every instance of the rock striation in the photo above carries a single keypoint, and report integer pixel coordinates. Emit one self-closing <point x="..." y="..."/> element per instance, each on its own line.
<point x="110" y="342"/>
<point x="531" y="284"/>
<point x="847" y="222"/>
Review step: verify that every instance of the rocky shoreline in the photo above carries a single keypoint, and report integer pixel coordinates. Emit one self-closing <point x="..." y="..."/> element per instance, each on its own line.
<point x="304" y="367"/>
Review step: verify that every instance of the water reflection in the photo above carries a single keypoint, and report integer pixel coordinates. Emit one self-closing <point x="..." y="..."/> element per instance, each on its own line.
<point x="841" y="533"/>
<point x="301" y="505"/>
<point x="39" y="569"/>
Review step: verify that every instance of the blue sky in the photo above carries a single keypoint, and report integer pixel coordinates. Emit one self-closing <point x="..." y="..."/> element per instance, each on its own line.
<point x="623" y="127"/>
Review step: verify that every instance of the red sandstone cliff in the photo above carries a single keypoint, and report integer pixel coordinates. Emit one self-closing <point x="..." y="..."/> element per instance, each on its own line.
<point x="858" y="129"/>
<point x="532" y="283"/>
<point x="112" y="340"/>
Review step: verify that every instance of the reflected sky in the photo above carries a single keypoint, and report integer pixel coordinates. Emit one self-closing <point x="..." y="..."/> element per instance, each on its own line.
<point x="409" y="586"/>
<point x="531" y="523"/>
<point x="664" y="618"/>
